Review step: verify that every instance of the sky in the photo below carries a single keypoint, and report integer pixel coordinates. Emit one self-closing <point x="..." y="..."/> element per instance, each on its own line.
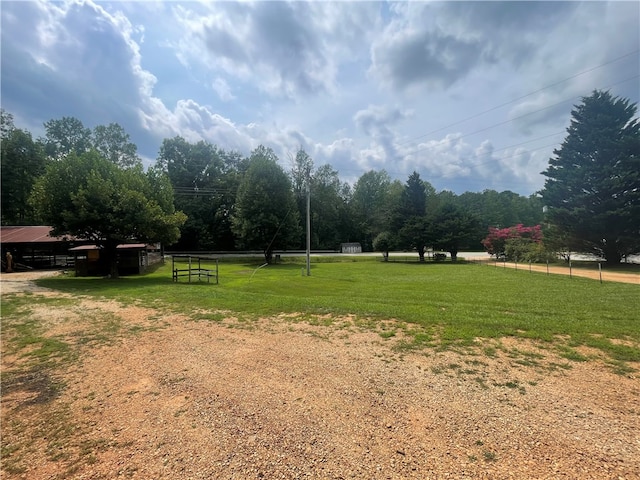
<point x="471" y="95"/>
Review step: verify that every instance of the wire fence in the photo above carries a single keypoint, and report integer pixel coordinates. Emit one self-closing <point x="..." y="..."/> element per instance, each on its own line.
<point x="600" y="273"/>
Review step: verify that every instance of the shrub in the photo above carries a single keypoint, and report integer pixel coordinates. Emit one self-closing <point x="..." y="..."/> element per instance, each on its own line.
<point x="496" y="242"/>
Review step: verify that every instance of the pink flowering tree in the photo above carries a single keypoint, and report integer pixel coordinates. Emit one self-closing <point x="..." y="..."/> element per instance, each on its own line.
<point x="514" y="242"/>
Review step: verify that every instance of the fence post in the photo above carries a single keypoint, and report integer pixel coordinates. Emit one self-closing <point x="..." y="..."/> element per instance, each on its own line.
<point x="600" y="270"/>
<point x="570" y="276"/>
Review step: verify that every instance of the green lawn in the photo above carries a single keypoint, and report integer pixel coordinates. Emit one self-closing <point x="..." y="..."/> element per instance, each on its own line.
<point x="438" y="304"/>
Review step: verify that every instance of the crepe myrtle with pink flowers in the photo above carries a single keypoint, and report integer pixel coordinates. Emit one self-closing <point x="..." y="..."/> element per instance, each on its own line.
<point x="512" y="240"/>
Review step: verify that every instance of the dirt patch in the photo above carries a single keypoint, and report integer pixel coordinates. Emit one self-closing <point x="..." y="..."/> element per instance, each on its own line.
<point x="605" y="276"/>
<point x="279" y="398"/>
<point x="23" y="281"/>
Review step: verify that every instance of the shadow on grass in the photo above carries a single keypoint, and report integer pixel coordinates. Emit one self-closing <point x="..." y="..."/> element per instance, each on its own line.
<point x="72" y="284"/>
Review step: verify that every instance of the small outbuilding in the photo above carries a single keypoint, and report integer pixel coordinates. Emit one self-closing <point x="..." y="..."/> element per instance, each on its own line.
<point x="352" y="247"/>
<point x="133" y="259"/>
<point x="35" y="247"/>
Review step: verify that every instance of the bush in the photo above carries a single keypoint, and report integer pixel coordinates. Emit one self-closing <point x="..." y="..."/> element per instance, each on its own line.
<point x="526" y="250"/>
<point x="496" y="242"/>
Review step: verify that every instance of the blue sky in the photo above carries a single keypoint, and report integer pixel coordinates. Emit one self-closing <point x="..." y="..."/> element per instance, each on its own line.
<point x="473" y="96"/>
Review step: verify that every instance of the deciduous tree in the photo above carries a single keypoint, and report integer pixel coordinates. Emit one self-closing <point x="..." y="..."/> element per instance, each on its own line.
<point x="66" y="135"/>
<point x="371" y="206"/>
<point x="330" y="224"/>
<point x="265" y="215"/>
<point x="496" y="242"/>
<point x="89" y="197"/>
<point x="114" y="144"/>
<point x="383" y="243"/>
<point x="23" y="161"/>
<point x="205" y="179"/>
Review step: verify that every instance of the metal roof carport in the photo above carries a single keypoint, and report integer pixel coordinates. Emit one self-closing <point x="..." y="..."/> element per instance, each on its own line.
<point x="35" y="247"/>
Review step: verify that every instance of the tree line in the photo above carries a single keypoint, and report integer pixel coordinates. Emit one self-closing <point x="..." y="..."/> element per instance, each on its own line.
<point x="235" y="202"/>
<point x="199" y="197"/>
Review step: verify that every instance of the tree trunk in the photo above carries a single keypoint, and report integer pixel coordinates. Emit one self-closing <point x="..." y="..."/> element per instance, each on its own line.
<point x="612" y="258"/>
<point x="112" y="258"/>
<point x="113" y="266"/>
<point x="611" y="254"/>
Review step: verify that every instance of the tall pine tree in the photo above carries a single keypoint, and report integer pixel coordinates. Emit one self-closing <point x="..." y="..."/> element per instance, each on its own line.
<point x="592" y="190"/>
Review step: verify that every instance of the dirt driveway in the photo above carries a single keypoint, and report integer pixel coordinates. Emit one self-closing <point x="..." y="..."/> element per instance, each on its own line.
<point x="167" y="397"/>
<point x="605" y="275"/>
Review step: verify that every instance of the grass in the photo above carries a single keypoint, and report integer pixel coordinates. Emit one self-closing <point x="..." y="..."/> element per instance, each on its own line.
<point x="441" y="304"/>
<point x="435" y="305"/>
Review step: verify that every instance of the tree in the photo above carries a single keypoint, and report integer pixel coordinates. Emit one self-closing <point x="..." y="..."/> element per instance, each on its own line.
<point x="66" y="135"/>
<point x="265" y="215"/>
<point x="301" y="172"/>
<point x="451" y="228"/>
<point x="383" y="243"/>
<point x="414" y="234"/>
<point x="330" y="223"/>
<point x="6" y="123"/>
<point x="205" y="179"/>
<point x="113" y="143"/>
<point x="302" y="167"/>
<point x="87" y="196"/>
<point x="408" y="217"/>
<point x="499" y="209"/>
<point x="370" y="206"/>
<point x="592" y="190"/>
<point x="556" y="243"/>
<point x="413" y="202"/>
<point x="499" y="238"/>
<point x="23" y="161"/>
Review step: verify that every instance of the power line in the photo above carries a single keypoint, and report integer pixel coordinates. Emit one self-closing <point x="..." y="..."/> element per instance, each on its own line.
<point x="522" y="97"/>
<point x="190" y="191"/>
<point x="418" y="149"/>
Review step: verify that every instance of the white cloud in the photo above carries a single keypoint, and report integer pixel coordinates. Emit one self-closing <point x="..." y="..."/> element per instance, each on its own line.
<point x="287" y="49"/>
<point x="436" y="45"/>
<point x="453" y="90"/>
<point x="223" y="90"/>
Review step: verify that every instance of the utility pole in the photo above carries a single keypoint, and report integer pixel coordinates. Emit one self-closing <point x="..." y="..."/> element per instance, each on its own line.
<point x="308" y="228"/>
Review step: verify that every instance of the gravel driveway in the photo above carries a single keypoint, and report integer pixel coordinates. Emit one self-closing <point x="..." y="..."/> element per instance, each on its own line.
<point x="284" y="398"/>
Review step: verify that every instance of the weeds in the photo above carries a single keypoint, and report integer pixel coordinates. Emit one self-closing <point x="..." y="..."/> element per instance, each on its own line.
<point x="35" y="376"/>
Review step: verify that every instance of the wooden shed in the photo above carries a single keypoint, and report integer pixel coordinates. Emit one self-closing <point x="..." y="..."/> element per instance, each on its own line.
<point x="89" y="260"/>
